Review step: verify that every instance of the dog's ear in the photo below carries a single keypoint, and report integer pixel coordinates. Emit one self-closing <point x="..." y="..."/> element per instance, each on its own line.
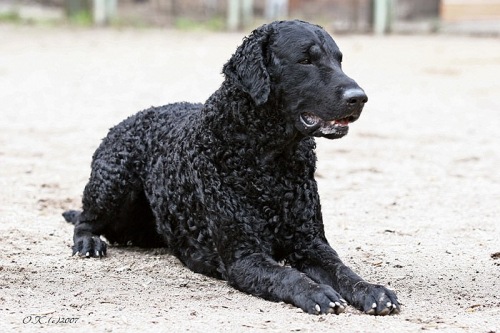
<point x="247" y="67"/>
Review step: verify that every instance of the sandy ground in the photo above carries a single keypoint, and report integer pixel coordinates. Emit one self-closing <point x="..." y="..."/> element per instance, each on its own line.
<point x="411" y="195"/>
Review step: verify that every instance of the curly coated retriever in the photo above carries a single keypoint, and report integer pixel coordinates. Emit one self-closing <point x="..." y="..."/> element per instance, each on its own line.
<point x="228" y="186"/>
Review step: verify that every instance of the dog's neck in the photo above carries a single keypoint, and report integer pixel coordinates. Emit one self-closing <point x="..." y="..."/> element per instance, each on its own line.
<point x="257" y="135"/>
<point x="233" y="117"/>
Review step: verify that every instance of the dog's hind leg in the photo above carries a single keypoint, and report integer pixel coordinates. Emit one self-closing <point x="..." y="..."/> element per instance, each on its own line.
<point x="86" y="241"/>
<point x="86" y="236"/>
<point x="125" y="219"/>
<point x="114" y="204"/>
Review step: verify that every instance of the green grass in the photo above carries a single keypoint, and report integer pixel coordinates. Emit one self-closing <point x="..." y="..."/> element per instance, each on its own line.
<point x="213" y="24"/>
<point x="83" y="19"/>
<point x="10" y="17"/>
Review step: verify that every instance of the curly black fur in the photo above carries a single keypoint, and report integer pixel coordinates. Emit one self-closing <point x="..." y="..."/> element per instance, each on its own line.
<point x="228" y="186"/>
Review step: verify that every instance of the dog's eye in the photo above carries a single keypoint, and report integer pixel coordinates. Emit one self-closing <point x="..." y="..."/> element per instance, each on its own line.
<point x="305" y="61"/>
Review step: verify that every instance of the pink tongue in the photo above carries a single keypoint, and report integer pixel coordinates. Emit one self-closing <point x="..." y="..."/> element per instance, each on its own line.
<point x="343" y="122"/>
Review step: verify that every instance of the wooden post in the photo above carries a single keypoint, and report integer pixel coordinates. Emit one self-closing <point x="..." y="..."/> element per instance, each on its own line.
<point x="247" y="12"/>
<point x="382" y="16"/>
<point x="233" y="15"/>
<point x="276" y="9"/>
<point x="103" y="11"/>
<point x="239" y="13"/>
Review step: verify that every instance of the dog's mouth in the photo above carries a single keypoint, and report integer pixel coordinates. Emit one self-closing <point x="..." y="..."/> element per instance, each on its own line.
<point x="329" y="128"/>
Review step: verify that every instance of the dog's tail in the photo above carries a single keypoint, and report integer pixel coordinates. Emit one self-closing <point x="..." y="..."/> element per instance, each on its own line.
<point x="72" y="216"/>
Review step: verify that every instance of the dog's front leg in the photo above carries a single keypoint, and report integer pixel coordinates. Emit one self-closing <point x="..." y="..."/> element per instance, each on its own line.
<point x="323" y="265"/>
<point x="260" y="275"/>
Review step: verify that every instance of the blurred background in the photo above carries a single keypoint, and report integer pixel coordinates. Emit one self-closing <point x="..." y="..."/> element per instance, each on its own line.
<point x="411" y="196"/>
<point x="340" y="16"/>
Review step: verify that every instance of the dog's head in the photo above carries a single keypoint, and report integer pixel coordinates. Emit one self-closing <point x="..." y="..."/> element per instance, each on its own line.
<point x="296" y="66"/>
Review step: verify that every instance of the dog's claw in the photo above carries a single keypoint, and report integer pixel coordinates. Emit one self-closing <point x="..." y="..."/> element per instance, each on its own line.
<point x="317" y="307"/>
<point x="374" y="299"/>
<point x="372" y="310"/>
<point x="89" y="247"/>
<point x="390" y="308"/>
<point x="384" y="312"/>
<point x="336" y="307"/>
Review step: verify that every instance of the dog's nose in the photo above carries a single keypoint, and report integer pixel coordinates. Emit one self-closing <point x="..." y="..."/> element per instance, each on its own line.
<point x="355" y="97"/>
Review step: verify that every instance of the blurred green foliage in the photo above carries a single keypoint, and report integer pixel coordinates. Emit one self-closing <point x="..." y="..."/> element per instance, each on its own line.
<point x="213" y="24"/>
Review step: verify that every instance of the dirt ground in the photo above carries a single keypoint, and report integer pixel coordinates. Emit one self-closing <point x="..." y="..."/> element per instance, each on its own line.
<point x="411" y="195"/>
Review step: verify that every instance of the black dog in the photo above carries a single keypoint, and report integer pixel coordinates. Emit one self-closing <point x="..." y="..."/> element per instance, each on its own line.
<point x="229" y="186"/>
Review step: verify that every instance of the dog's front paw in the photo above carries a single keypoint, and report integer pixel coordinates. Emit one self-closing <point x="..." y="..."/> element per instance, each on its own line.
<point x="319" y="299"/>
<point x="375" y="299"/>
<point x="89" y="246"/>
